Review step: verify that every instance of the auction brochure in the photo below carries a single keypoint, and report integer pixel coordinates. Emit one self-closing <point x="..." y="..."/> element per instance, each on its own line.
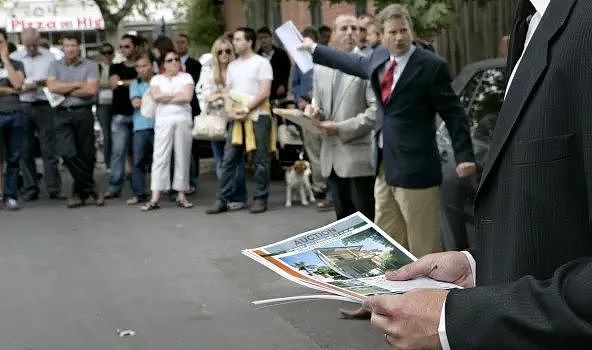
<point x="346" y="260"/>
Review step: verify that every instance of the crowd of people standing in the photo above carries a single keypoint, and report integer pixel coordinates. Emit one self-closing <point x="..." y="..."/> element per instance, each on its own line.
<point x="345" y="159"/>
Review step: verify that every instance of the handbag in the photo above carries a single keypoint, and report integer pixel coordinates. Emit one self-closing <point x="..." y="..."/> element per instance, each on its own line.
<point x="148" y="107"/>
<point x="211" y="123"/>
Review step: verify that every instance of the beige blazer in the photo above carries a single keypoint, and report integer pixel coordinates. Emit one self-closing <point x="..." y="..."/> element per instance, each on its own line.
<point x="349" y="154"/>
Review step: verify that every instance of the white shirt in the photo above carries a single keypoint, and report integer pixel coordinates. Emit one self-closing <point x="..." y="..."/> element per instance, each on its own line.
<point x="172" y="86"/>
<point x="401" y="64"/>
<point x="183" y="60"/>
<point x="399" y="68"/>
<point x="36" y="68"/>
<point x="541" y="7"/>
<point x="246" y="74"/>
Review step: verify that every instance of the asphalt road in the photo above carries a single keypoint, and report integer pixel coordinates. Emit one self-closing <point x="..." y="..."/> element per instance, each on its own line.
<point x="70" y="278"/>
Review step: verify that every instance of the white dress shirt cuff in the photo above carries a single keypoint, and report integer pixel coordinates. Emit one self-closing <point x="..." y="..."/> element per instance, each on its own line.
<point x="442" y="325"/>
<point x="314" y="47"/>
<point x="473" y="264"/>
<point x="442" y="329"/>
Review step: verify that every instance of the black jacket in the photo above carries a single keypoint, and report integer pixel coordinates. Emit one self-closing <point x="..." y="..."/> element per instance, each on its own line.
<point x="534" y="204"/>
<point x="193" y="67"/>
<point x="281" y="65"/>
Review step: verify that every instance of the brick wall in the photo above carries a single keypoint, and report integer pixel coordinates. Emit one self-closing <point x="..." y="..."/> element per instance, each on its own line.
<point x="299" y="13"/>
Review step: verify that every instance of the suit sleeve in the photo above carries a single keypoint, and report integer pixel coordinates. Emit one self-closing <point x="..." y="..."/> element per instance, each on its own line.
<point x="363" y="123"/>
<point x="317" y="94"/>
<point x="527" y="314"/>
<point x="448" y="106"/>
<point x="347" y="62"/>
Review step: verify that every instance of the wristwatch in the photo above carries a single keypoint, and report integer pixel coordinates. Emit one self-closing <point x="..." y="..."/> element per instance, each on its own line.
<point x="120" y="83"/>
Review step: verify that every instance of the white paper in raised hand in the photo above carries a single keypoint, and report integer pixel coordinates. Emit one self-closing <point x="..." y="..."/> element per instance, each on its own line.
<point x="291" y="39"/>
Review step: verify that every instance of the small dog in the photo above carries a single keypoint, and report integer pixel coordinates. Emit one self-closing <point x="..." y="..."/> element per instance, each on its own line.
<point x="298" y="176"/>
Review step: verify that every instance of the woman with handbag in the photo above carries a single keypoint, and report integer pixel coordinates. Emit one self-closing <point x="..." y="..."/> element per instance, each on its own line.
<point x="172" y="91"/>
<point x="210" y="94"/>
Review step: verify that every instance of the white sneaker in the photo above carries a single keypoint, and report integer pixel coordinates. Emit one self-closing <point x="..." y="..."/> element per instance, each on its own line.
<point x="11" y="204"/>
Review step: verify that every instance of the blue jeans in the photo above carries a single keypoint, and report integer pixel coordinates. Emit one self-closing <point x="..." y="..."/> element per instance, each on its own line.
<point x="143" y="146"/>
<point x="121" y="138"/>
<point x="234" y="158"/>
<point x="218" y="153"/>
<point x="239" y="194"/>
<point x="11" y="127"/>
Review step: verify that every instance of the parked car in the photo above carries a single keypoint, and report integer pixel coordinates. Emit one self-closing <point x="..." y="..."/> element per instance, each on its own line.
<point x="481" y="87"/>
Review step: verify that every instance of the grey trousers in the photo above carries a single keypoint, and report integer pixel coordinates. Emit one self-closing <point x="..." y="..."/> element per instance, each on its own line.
<point x="40" y="118"/>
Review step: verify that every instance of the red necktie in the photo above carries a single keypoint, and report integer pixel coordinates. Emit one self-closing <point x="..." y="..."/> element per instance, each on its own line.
<point x="386" y="86"/>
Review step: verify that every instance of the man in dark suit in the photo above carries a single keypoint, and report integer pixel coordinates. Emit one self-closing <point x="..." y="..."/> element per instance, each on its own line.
<point x="280" y="63"/>
<point x="411" y="85"/>
<point x="532" y="261"/>
<point x="193" y="67"/>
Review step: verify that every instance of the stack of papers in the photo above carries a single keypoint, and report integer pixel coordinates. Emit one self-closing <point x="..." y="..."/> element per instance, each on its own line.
<point x="297" y="117"/>
<point x="291" y="39"/>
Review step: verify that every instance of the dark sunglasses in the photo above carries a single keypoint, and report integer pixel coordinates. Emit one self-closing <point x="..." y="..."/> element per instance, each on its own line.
<point x="125" y="46"/>
<point x="227" y="51"/>
<point x="108" y="52"/>
<point x="169" y="60"/>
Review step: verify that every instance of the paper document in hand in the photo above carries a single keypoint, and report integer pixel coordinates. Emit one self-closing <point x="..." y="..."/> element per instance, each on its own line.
<point x="291" y="39"/>
<point x="297" y="117"/>
<point x="53" y="99"/>
<point x="347" y="258"/>
<point x="240" y="100"/>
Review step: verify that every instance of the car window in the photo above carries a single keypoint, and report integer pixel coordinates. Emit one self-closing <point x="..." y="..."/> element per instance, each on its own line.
<point x="483" y="97"/>
<point x="468" y="93"/>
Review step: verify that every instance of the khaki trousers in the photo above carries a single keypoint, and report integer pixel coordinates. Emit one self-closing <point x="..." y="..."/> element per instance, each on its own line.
<point x="410" y="216"/>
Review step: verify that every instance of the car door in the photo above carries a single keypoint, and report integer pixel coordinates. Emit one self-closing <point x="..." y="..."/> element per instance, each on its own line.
<point x="482" y="97"/>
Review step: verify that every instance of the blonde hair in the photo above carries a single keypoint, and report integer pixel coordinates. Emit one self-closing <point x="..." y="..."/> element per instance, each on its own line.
<point x="215" y="61"/>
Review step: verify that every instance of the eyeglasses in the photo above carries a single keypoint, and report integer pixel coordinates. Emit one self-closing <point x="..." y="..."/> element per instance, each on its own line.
<point x="125" y="46"/>
<point x="107" y="52"/>
<point x="226" y="51"/>
<point x="169" y="60"/>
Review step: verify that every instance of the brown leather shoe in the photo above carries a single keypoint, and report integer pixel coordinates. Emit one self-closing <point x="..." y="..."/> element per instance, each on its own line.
<point x="257" y="207"/>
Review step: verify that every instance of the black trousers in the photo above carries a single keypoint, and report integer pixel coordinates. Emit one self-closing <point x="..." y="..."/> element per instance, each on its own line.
<point x="40" y="118"/>
<point x="76" y="145"/>
<point x="352" y="194"/>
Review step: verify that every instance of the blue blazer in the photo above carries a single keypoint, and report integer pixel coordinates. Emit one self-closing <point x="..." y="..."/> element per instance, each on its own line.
<point x="408" y="120"/>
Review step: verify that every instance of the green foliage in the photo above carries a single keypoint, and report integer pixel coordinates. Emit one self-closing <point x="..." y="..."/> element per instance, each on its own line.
<point x="204" y="22"/>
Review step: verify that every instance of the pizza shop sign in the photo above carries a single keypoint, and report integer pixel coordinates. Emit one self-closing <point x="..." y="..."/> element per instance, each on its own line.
<point x="52" y="17"/>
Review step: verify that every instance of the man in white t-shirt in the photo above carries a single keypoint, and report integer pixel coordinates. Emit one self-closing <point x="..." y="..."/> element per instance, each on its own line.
<point x="249" y="74"/>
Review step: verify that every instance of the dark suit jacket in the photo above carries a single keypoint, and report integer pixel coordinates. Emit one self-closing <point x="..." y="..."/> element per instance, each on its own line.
<point x="193" y="67"/>
<point x="533" y="209"/>
<point x="410" y="153"/>
<point x="281" y="65"/>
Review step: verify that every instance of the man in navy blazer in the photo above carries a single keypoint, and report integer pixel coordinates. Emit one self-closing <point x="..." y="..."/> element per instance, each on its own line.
<point x="411" y="85"/>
